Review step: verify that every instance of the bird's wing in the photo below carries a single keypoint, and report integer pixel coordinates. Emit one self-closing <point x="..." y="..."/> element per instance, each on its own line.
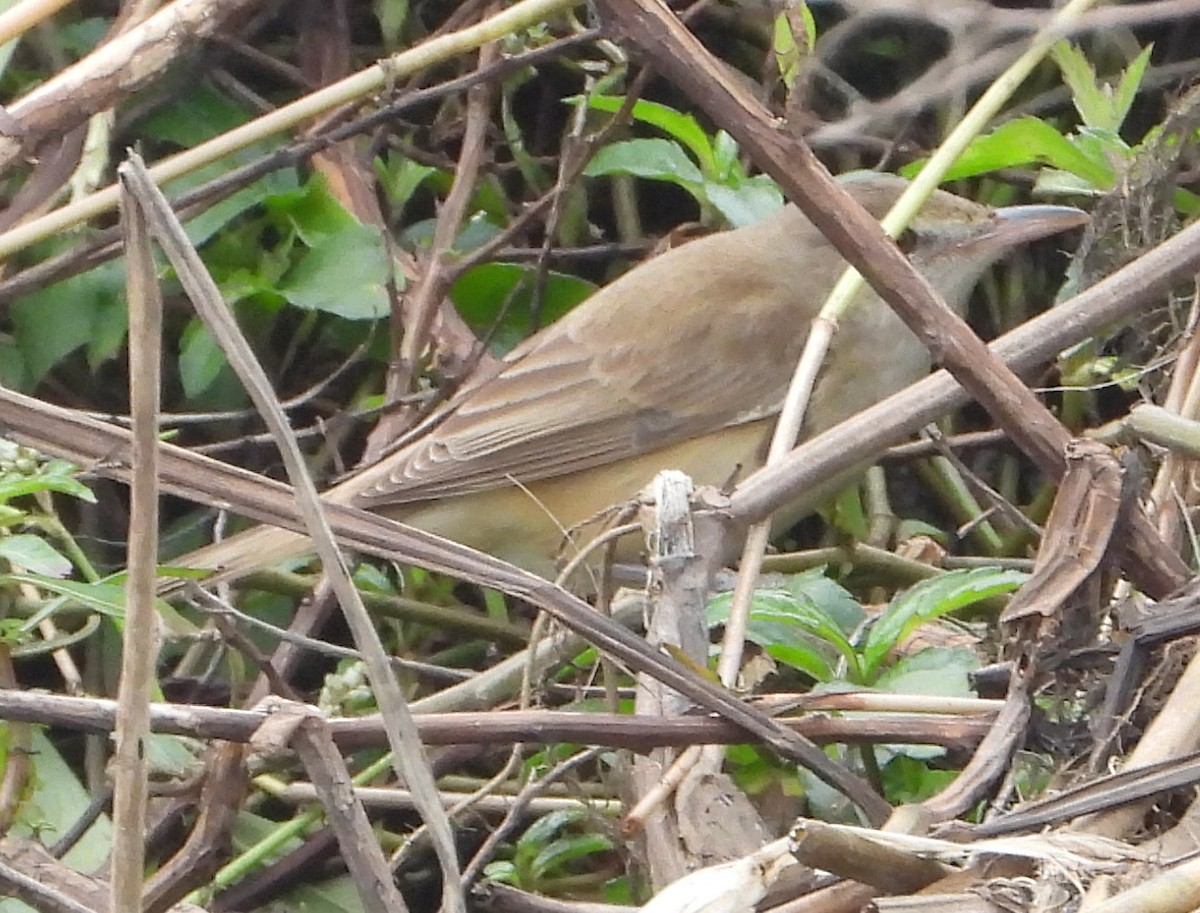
<point x="595" y="388"/>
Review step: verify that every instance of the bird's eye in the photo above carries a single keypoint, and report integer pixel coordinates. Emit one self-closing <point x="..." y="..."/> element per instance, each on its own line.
<point x="907" y="241"/>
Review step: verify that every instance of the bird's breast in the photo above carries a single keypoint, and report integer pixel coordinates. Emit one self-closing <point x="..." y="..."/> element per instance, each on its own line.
<point x="526" y="524"/>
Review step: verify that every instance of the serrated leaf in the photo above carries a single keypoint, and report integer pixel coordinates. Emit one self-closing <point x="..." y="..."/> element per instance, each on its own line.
<point x="931" y="599"/>
<point x="1100" y="104"/>
<point x="1127" y="87"/>
<point x="1080" y="77"/>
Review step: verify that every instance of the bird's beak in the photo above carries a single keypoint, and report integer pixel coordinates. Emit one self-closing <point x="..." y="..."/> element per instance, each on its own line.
<point x="1016" y="225"/>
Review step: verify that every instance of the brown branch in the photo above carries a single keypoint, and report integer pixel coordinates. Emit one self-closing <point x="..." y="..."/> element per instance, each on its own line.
<point x="29" y="873"/>
<point x="414" y="322"/>
<point x="112" y="73"/>
<point x="95" y="715"/>
<point x="361" y="852"/>
<point x="208" y="844"/>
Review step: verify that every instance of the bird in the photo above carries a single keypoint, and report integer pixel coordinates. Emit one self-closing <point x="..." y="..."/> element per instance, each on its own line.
<point x="680" y="363"/>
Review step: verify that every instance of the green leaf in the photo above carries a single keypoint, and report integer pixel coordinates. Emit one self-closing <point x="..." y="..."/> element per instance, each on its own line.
<point x="80" y="38"/>
<point x="752" y="201"/>
<point x="503" y="292"/>
<point x="834" y="599"/>
<point x="682" y="127"/>
<point x="392" y="15"/>
<point x="53" y="476"/>
<point x="1187" y="202"/>
<point x="109" y="325"/>
<point x="932" y="599"/>
<point x="313" y="211"/>
<point x="201" y="228"/>
<point x="907" y="780"/>
<point x="34" y="554"/>
<point x="7" y="49"/>
<point x="400" y="177"/>
<point x="200" y="359"/>
<point x="199" y="115"/>
<point x="173" y="756"/>
<point x="106" y="597"/>
<point x="796" y="653"/>
<point x="846" y="513"/>
<point x="343" y="274"/>
<point x="1024" y="141"/>
<point x="545" y="829"/>
<point x="1099" y="145"/>
<point x="656" y="159"/>
<point x="1053" y="182"/>
<point x="1128" y="85"/>
<point x="194" y="116"/>
<point x="50" y="324"/>
<point x="778" y="618"/>
<point x="502" y="872"/>
<point x="13" y="371"/>
<point x="910" y="528"/>
<point x="937" y="671"/>
<point x="1100" y="104"/>
<point x="53" y="805"/>
<point x="727" y="168"/>
<point x="790" y="52"/>
<point x="1080" y="77"/>
<point x="558" y="853"/>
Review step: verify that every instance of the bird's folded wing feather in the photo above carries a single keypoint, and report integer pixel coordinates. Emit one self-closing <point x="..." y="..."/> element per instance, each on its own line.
<point x="592" y="391"/>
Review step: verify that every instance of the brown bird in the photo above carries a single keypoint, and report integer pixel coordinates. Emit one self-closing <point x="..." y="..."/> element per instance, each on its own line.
<point x="682" y="363"/>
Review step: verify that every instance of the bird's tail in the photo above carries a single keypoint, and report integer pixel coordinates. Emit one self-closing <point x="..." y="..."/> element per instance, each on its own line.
<point x="239" y="555"/>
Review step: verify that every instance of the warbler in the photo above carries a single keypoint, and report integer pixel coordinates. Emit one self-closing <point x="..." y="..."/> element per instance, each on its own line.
<point x="681" y="363"/>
